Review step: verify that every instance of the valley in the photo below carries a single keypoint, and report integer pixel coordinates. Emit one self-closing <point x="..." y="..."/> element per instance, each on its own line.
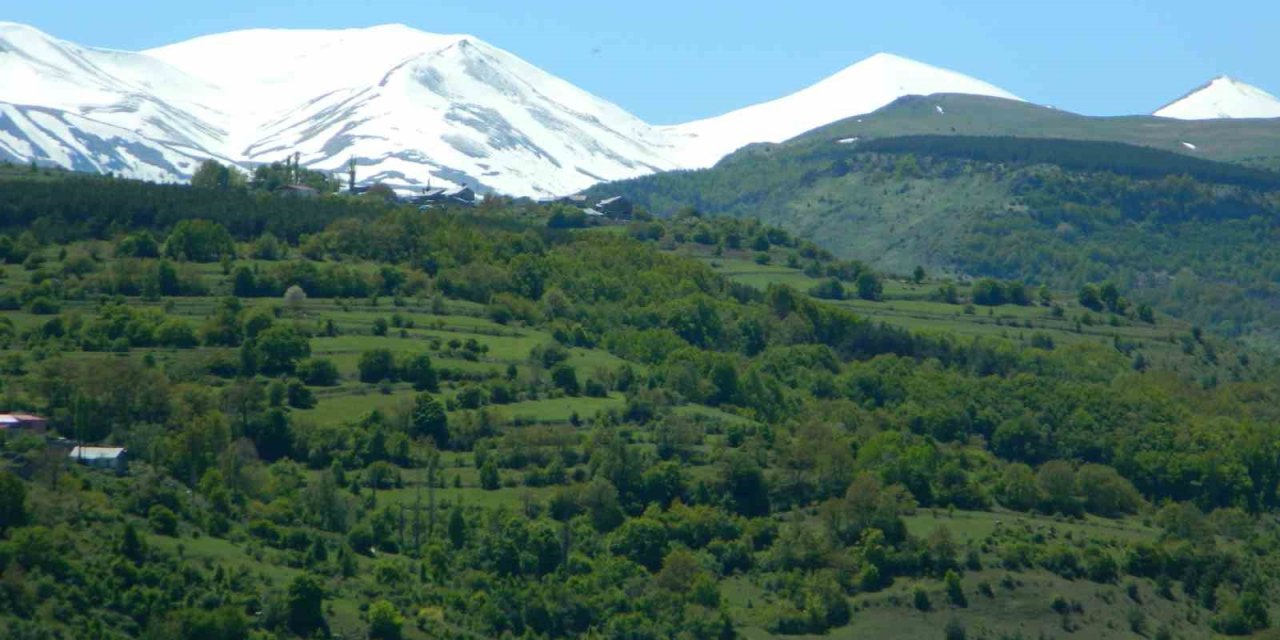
<point x="471" y="422"/>
<point x="389" y="334"/>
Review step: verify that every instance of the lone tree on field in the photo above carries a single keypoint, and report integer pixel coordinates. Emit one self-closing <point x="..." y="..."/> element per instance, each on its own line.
<point x="294" y="296"/>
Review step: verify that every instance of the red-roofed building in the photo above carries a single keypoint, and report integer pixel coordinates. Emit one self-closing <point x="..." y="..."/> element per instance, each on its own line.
<point x="22" y="422"/>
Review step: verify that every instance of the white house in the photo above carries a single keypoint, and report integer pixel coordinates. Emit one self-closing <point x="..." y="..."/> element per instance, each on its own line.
<point x="114" y="458"/>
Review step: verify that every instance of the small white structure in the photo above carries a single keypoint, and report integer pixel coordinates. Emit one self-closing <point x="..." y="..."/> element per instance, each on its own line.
<point x="114" y="458"/>
<point x="615" y="207"/>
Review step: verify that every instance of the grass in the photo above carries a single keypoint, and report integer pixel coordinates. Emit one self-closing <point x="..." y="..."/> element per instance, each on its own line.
<point x="558" y="409"/>
<point x="1019" y="604"/>
<point x="353" y="404"/>
<point x="909" y="306"/>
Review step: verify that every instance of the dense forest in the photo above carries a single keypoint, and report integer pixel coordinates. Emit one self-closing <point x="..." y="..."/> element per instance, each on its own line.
<point x="1077" y="155"/>
<point x="350" y="419"/>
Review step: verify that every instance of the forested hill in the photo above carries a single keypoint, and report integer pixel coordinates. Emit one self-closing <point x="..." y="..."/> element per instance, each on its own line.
<point x="1251" y="142"/>
<point x="1194" y="237"/>
<point x="59" y="205"/>
<point x="1076" y="155"/>
<point x="516" y="421"/>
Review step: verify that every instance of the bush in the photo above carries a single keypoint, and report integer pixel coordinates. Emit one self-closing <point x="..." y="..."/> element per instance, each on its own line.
<point x="1100" y="566"/>
<point x="162" y="520"/>
<point x="13" y="501"/>
<point x="198" y="241"/>
<point x="1137" y="620"/>
<point x="595" y="389"/>
<point x="377" y="365"/>
<point x="489" y="477"/>
<point x="472" y="397"/>
<point x="43" y="306"/>
<point x="299" y="396"/>
<point x="418" y="371"/>
<point x="1060" y="605"/>
<point x="384" y="621"/>
<point x="829" y="289"/>
<point x="318" y="372"/>
<point x="1105" y="492"/>
<point x="955" y="591"/>
<point x="176" y="333"/>
<point x="566" y="378"/>
<point x="988" y="293"/>
<point x="920" y="599"/>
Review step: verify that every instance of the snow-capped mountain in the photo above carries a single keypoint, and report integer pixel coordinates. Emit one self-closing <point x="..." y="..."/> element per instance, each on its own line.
<point x="1223" y="97"/>
<point x="411" y="107"/>
<point x="99" y="110"/>
<point x="415" y="107"/>
<point x="858" y="89"/>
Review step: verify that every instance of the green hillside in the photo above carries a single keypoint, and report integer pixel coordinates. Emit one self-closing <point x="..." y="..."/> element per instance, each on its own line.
<point x="508" y="422"/>
<point x="1243" y="141"/>
<point x="1191" y="236"/>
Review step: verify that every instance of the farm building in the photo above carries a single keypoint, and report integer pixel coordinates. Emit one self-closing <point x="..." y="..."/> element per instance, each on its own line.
<point x="615" y="207"/>
<point x="113" y="458"/>
<point x="22" y="423"/>
<point x="439" y="195"/>
<point x="298" y="191"/>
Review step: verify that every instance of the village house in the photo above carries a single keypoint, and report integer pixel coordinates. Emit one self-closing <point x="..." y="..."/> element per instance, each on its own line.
<point x="22" y="423"/>
<point x="110" y="458"/>
<point x="439" y="195"/>
<point x="298" y="191"/>
<point x="577" y="200"/>
<point x="617" y="207"/>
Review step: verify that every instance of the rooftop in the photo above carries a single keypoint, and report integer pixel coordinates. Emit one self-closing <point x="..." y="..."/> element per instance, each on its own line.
<point x="95" y="453"/>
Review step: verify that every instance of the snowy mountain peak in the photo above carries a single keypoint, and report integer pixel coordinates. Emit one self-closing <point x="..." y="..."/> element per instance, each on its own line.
<point x="1223" y="97"/>
<point x="412" y="107"/>
<point x="857" y="89"/>
<point x="17" y="27"/>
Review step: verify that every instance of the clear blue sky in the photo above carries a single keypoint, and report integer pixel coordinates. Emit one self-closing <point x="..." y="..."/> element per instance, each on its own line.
<point x="676" y="60"/>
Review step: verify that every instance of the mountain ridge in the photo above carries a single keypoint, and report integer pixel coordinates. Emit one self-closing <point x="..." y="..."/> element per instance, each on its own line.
<point x="411" y="107"/>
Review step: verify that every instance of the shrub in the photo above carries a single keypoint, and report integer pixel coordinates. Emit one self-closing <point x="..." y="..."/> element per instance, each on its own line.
<point x="489" y="477"/>
<point x="377" y="365"/>
<point x="318" y="372"/>
<point x="955" y="591"/>
<point x="162" y="520"/>
<point x="566" y="378"/>
<point x="43" y="306"/>
<point x="920" y="599"/>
